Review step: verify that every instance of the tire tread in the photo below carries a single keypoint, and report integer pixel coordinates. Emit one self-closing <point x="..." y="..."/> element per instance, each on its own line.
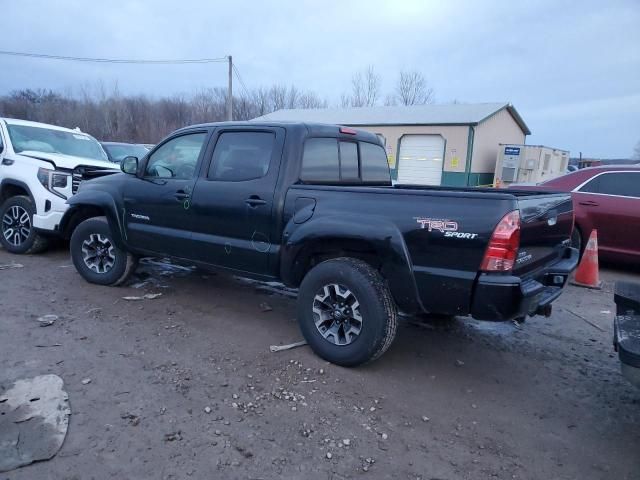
<point x="386" y="307"/>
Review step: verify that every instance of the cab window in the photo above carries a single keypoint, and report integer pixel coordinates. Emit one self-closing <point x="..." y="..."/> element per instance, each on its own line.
<point x="176" y="158"/>
<point x="241" y="156"/>
<point x="329" y="160"/>
<point x="320" y="161"/>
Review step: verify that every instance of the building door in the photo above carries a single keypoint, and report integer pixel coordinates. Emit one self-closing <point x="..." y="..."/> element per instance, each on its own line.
<point x="420" y="159"/>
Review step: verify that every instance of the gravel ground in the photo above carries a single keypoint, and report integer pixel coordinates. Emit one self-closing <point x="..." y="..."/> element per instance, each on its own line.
<point x="184" y="386"/>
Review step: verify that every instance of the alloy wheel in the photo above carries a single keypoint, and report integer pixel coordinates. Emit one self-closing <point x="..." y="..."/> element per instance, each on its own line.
<point x="98" y="253"/>
<point x="16" y="225"/>
<point x="336" y="314"/>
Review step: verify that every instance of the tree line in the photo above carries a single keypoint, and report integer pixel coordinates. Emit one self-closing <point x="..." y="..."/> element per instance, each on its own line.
<point x="113" y="116"/>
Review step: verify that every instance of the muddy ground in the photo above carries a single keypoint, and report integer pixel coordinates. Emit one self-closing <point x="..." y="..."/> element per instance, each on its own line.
<point x="460" y="400"/>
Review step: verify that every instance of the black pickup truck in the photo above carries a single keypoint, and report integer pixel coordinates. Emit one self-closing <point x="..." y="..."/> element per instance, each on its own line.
<point x="313" y="206"/>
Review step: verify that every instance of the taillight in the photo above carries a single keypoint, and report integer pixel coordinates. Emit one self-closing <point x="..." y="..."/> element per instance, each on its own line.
<point x="348" y="131"/>
<point x="503" y="246"/>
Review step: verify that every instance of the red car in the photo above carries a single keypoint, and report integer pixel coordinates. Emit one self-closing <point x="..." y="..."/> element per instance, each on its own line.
<point x="606" y="198"/>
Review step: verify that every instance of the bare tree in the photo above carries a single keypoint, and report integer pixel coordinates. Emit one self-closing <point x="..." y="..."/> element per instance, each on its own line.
<point x="412" y="89"/>
<point x="261" y="101"/>
<point x="345" y="100"/>
<point x="636" y="151"/>
<point x="390" y="101"/>
<point x="311" y="100"/>
<point x="278" y="97"/>
<point x="111" y="115"/>
<point x="365" y="89"/>
<point x="293" y="96"/>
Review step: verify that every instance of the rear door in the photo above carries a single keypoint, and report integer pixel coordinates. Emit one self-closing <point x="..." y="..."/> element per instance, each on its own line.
<point x="546" y="223"/>
<point x="611" y="201"/>
<point x="232" y="202"/>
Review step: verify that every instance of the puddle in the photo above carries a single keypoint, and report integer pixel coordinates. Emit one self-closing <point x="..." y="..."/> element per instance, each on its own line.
<point x="151" y="271"/>
<point x="273" y="288"/>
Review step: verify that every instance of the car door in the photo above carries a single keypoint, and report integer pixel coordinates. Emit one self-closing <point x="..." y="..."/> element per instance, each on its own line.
<point x="611" y="201"/>
<point x="232" y="203"/>
<point x="157" y="202"/>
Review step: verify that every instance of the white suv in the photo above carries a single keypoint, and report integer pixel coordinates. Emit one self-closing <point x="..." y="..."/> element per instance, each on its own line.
<point x="41" y="166"/>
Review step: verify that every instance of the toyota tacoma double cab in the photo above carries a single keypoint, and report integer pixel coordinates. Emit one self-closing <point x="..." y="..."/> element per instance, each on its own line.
<point x="41" y="166"/>
<point x="313" y="206"/>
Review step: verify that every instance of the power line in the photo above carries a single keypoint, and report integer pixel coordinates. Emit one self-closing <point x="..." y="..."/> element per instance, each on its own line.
<point x="115" y="60"/>
<point x="239" y="77"/>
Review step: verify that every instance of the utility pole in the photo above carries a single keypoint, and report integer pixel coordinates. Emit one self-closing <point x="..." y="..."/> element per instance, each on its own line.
<point x="230" y="91"/>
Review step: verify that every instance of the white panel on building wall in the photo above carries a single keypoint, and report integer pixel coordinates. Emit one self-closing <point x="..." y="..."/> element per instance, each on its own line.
<point x="420" y="159"/>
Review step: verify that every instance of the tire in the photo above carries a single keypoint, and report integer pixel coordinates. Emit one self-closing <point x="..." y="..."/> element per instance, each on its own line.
<point x="576" y="240"/>
<point x="360" y="334"/>
<point x="17" y="234"/>
<point x="96" y="256"/>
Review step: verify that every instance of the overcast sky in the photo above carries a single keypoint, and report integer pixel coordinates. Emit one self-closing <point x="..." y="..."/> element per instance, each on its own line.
<point x="572" y="69"/>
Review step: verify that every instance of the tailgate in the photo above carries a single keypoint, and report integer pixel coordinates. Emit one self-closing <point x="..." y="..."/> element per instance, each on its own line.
<point x="546" y="225"/>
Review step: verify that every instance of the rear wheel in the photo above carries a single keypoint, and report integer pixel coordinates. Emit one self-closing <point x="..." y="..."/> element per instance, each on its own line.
<point x="346" y="312"/>
<point x="18" y="234"/>
<point x="96" y="256"/>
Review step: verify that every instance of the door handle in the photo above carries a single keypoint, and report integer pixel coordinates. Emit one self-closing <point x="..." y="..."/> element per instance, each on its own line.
<point x="589" y="203"/>
<point x="181" y="195"/>
<point x="254" y="201"/>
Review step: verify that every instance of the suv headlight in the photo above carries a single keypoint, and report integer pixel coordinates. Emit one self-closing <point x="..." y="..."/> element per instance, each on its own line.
<point x="57" y="182"/>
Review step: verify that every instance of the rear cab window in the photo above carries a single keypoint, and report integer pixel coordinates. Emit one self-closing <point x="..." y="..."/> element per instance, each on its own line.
<point x="340" y="161"/>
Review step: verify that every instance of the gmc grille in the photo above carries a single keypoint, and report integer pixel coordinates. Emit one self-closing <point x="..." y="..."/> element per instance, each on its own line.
<point x="83" y="173"/>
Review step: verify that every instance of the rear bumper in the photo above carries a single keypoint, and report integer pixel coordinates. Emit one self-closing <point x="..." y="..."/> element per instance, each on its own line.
<point x="505" y="297"/>
<point x="626" y="331"/>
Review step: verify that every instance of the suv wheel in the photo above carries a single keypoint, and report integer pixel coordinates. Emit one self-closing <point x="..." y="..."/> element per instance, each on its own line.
<point x="346" y="312"/>
<point x="96" y="256"/>
<point x="17" y="233"/>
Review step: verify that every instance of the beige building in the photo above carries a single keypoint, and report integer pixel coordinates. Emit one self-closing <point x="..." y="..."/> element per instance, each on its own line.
<point x="453" y="144"/>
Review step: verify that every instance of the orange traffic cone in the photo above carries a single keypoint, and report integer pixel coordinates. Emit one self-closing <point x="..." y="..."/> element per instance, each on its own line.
<point x="587" y="273"/>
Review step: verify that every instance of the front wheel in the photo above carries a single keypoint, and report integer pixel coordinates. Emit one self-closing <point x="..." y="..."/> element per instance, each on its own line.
<point x="96" y="256"/>
<point x="18" y="234"/>
<point x="346" y="312"/>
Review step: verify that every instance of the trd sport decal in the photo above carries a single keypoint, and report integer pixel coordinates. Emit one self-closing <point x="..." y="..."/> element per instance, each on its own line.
<point x="435" y="224"/>
<point x="448" y="227"/>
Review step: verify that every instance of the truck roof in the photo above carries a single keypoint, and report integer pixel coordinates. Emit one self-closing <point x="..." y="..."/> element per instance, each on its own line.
<point x="313" y="129"/>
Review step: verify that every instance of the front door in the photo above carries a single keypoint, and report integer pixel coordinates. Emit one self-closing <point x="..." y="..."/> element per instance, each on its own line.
<point x="232" y="203"/>
<point x="157" y="204"/>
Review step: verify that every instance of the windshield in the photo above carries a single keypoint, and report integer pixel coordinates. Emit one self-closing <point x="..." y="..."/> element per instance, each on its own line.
<point x="45" y="140"/>
<point x="118" y="152"/>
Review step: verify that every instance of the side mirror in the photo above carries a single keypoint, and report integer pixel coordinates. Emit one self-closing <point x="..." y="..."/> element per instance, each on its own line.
<point x="129" y="165"/>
